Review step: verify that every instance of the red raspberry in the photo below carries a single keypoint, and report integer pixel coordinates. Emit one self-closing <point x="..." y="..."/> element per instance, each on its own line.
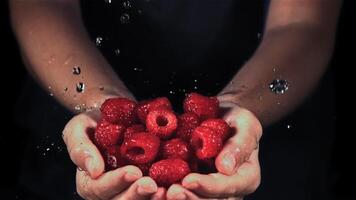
<point x="219" y="126"/>
<point x="113" y="159"/>
<point x="107" y="134"/>
<point x="161" y="122"/>
<point x="204" y="107"/>
<point x="206" y="143"/>
<point x="175" y="148"/>
<point x="187" y="122"/>
<point x="144" y="107"/>
<point x="169" y="171"/>
<point x="119" y="111"/>
<point x="140" y="148"/>
<point x="136" y="128"/>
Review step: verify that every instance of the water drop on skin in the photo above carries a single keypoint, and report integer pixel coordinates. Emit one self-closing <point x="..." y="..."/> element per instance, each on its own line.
<point x="80" y="87"/>
<point x="76" y="70"/>
<point x="278" y="86"/>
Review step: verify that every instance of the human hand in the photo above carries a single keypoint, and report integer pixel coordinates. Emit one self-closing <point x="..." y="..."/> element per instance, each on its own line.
<point x="237" y="164"/>
<point x="91" y="180"/>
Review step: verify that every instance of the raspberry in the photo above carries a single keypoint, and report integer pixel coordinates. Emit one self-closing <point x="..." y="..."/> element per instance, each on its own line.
<point x="107" y="134"/>
<point x="140" y="148"/>
<point x="187" y="122"/>
<point x="113" y="159"/>
<point x="169" y="171"/>
<point x="161" y="122"/>
<point x="136" y="128"/>
<point x="119" y="111"/>
<point x="204" y="107"/>
<point x="219" y="126"/>
<point x="206" y="143"/>
<point x="175" y="148"/>
<point x="144" y="107"/>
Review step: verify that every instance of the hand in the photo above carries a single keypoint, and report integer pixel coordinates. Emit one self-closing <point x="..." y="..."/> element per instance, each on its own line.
<point x="91" y="180"/>
<point x="237" y="164"/>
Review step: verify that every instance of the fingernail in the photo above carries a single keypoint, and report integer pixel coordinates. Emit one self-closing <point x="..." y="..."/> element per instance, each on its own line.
<point x="131" y="176"/>
<point x="89" y="165"/>
<point x="229" y="162"/>
<point x="180" y="196"/>
<point x="146" y="189"/>
<point x="190" y="182"/>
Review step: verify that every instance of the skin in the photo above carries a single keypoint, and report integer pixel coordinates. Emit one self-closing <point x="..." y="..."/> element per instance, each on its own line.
<point x="297" y="42"/>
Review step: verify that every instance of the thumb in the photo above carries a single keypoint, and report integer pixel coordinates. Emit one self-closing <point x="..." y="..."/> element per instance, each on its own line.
<point x="239" y="147"/>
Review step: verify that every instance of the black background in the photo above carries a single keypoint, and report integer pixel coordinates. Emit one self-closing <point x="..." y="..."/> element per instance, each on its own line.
<point x="340" y="76"/>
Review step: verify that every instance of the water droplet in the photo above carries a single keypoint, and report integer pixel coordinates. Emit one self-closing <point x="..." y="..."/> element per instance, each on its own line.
<point x="289" y="126"/>
<point x="127" y="4"/>
<point x="76" y="70"/>
<point x="98" y="41"/>
<point x="51" y="94"/>
<point x="80" y="87"/>
<point x="108" y="1"/>
<point x="78" y="107"/>
<point x="195" y="80"/>
<point x="117" y="52"/>
<point x="52" y="144"/>
<point x="80" y="169"/>
<point x="195" y="87"/>
<point x="137" y="69"/>
<point x="278" y="86"/>
<point x="125" y="18"/>
<point x="48" y="149"/>
<point x="171" y="92"/>
<point x="274" y="69"/>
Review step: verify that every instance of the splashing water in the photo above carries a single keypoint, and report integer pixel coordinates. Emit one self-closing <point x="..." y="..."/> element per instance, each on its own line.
<point x="76" y="70"/>
<point x="278" y="86"/>
<point x="127" y="4"/>
<point x="137" y="69"/>
<point x="80" y="87"/>
<point x="125" y="18"/>
<point x="117" y="52"/>
<point x="98" y="41"/>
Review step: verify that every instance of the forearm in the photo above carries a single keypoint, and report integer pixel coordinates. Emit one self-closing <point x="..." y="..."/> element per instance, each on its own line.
<point x="53" y="41"/>
<point x="296" y="53"/>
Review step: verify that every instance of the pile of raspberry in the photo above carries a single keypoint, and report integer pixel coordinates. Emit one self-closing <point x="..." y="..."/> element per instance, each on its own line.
<point x="164" y="145"/>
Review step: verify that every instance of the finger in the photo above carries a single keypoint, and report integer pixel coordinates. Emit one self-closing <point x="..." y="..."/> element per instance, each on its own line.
<point x="81" y="149"/>
<point x="240" y="146"/>
<point x="218" y="185"/>
<point x="177" y="192"/>
<point x="109" y="184"/>
<point x="142" y="189"/>
<point x="160" y="194"/>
